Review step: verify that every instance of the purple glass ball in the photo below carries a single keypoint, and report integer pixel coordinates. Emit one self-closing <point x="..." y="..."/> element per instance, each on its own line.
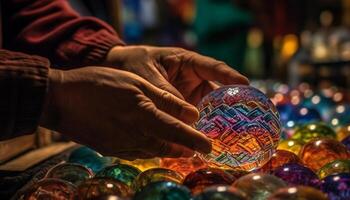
<point x="296" y="174"/>
<point x="346" y="142"/>
<point x="337" y="186"/>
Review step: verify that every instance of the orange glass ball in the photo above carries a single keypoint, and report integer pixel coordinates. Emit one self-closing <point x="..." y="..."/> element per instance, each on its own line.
<point x="279" y="158"/>
<point x="315" y="154"/>
<point x="343" y="132"/>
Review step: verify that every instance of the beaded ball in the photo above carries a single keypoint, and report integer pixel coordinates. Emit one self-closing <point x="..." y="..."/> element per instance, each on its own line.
<point x="199" y="180"/>
<point x="243" y="125"/>
<point x="163" y="191"/>
<point x="313" y="131"/>
<point x="121" y="172"/>
<point x="337" y="166"/>
<point x="156" y="175"/>
<point x="73" y="173"/>
<point x="279" y="158"/>
<point x="298" y="193"/>
<point x="337" y="186"/>
<point x="295" y="174"/>
<point x="317" y="153"/>
<point x="259" y="186"/>
<point x="221" y="193"/>
<point x="100" y="187"/>
<point x="53" y="189"/>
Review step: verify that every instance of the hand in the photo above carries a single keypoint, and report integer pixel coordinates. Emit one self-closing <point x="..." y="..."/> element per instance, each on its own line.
<point x="120" y="114"/>
<point x="186" y="74"/>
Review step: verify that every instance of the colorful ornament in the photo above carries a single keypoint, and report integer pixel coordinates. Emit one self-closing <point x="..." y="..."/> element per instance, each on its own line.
<point x="73" y="173"/>
<point x="259" y="186"/>
<point x="279" y="158"/>
<point x="295" y="174"/>
<point x="313" y="131"/>
<point x="53" y="189"/>
<point x="337" y="186"/>
<point x="343" y="132"/>
<point x="337" y="166"/>
<point x="298" y="193"/>
<point x="221" y="193"/>
<point x="100" y="187"/>
<point x="120" y="172"/>
<point x="163" y="191"/>
<point x="291" y="145"/>
<point x="183" y="165"/>
<point x="142" y="164"/>
<point x="346" y="142"/>
<point x="89" y="158"/>
<point x="199" y="180"/>
<point x="156" y="175"/>
<point x="317" y="153"/>
<point x="243" y="125"/>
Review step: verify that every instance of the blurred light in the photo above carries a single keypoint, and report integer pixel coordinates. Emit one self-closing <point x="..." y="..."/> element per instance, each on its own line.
<point x="303" y="111"/>
<point x="291" y="143"/>
<point x="256" y="177"/>
<point x="308" y="93"/>
<point x="292" y="190"/>
<point x="318" y="143"/>
<point x="335" y="121"/>
<point x="294" y="93"/>
<point x="290" y="124"/>
<point x="255" y="38"/>
<point x="312" y="127"/>
<point x="295" y="100"/>
<point x="336" y="178"/>
<point x="316" y="99"/>
<point x="338" y="97"/>
<point x="340" y="109"/>
<point x="290" y="46"/>
<point x="109" y="185"/>
<point x="326" y="18"/>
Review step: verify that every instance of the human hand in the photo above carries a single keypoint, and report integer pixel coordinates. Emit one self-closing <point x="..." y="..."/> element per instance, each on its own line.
<point x="120" y="114"/>
<point x="186" y="74"/>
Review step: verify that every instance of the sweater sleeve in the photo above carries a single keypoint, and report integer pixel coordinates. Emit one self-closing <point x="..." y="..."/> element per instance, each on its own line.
<point x="51" y="28"/>
<point x="23" y="85"/>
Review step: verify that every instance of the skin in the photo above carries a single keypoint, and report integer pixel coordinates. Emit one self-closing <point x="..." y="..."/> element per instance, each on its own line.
<point x="139" y="105"/>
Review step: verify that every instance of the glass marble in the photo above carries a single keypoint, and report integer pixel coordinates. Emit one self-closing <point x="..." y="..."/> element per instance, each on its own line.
<point x="236" y="173"/>
<point x="101" y="187"/>
<point x="279" y="158"/>
<point x="53" y="189"/>
<point x="258" y="186"/>
<point x="243" y="125"/>
<point x="346" y="142"/>
<point x="337" y="166"/>
<point x="121" y="172"/>
<point x="183" y="165"/>
<point x="156" y="175"/>
<point x="340" y="116"/>
<point x="313" y="131"/>
<point x="73" y="173"/>
<point x="291" y="145"/>
<point x="199" y="180"/>
<point x="337" y="186"/>
<point x="108" y="197"/>
<point x="296" y="174"/>
<point x="298" y="193"/>
<point x="142" y="164"/>
<point x="89" y="158"/>
<point x="317" y="153"/>
<point x="163" y="191"/>
<point x="343" y="132"/>
<point x="221" y="193"/>
<point x="321" y="103"/>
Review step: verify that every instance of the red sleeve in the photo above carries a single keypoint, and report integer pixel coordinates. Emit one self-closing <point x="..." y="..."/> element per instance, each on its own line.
<point x="51" y="28"/>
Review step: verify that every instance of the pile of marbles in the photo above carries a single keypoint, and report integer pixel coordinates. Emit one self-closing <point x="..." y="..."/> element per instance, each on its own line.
<point x="281" y="144"/>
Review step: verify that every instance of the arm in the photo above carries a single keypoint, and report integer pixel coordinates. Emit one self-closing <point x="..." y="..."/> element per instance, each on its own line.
<point x="23" y="85"/>
<point x="51" y="28"/>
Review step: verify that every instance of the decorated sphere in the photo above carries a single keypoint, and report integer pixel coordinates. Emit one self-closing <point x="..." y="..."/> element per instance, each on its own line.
<point x="337" y="166"/>
<point x="243" y="125"/>
<point x="291" y="145"/>
<point x="142" y="164"/>
<point x="221" y="193"/>
<point x="298" y="193"/>
<point x="183" y="165"/>
<point x="156" y="175"/>
<point x="279" y="158"/>
<point x="89" y="158"/>
<point x="163" y="191"/>
<point x="259" y="186"/>
<point x="296" y="174"/>
<point x="101" y="187"/>
<point x="317" y="153"/>
<point x="313" y="131"/>
<point x="73" y="173"/>
<point x="199" y="180"/>
<point x="121" y="172"/>
<point x="343" y="132"/>
<point x="346" y="142"/>
<point x="337" y="186"/>
<point x="53" y="189"/>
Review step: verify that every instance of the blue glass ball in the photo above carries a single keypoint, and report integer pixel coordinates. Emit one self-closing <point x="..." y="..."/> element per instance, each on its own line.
<point x="346" y="142"/>
<point x="337" y="186"/>
<point x="163" y="191"/>
<point x="321" y="103"/>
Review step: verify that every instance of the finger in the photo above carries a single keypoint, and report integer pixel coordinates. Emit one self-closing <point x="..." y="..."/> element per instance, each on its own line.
<point x="207" y="68"/>
<point x="163" y="126"/>
<point x="133" y="155"/>
<point x="171" y="104"/>
<point x="161" y="148"/>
